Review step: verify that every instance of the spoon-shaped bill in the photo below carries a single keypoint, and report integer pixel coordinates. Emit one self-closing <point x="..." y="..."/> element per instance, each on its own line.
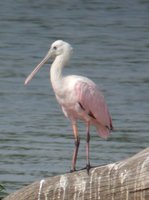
<point x="30" y="76"/>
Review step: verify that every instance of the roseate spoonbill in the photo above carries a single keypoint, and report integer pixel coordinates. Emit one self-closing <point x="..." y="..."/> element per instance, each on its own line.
<point x="79" y="97"/>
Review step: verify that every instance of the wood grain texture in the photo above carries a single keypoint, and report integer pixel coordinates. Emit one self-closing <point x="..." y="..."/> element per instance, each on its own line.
<point x="124" y="180"/>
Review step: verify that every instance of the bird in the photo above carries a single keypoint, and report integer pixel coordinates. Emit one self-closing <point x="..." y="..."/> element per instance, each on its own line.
<point x="80" y="98"/>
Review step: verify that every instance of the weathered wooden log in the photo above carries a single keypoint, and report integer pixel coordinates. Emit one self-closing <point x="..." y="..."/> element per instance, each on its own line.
<point x="124" y="180"/>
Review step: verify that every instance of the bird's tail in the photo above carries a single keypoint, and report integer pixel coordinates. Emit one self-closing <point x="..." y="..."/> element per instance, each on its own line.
<point x="103" y="131"/>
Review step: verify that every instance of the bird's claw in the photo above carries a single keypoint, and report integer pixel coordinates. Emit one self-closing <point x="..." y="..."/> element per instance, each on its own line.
<point x="72" y="170"/>
<point x="88" y="167"/>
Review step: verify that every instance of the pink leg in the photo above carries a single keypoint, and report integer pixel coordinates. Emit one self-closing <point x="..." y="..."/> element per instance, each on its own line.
<point x="87" y="147"/>
<point x="77" y="142"/>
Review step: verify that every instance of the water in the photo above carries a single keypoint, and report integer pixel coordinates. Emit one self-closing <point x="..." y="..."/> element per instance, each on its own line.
<point x="111" y="46"/>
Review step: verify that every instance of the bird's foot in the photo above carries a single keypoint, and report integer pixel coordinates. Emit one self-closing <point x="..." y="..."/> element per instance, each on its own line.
<point x="88" y="167"/>
<point x="72" y="170"/>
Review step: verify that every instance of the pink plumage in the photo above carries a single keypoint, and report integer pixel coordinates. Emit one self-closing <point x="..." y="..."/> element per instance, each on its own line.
<point x="94" y="105"/>
<point x="79" y="97"/>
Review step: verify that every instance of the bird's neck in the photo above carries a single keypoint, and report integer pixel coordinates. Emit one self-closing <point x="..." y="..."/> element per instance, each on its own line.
<point x="56" y="72"/>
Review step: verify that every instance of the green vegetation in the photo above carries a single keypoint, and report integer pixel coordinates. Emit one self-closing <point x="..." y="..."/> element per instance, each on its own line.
<point x="2" y="192"/>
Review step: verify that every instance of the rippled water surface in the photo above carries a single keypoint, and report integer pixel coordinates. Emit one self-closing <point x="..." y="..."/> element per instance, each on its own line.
<point x="111" y="46"/>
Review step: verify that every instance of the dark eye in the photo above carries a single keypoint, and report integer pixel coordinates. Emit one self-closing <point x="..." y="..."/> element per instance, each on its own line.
<point x="54" y="47"/>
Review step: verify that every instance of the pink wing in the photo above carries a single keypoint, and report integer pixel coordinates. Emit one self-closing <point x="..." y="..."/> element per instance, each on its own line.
<point x="92" y="101"/>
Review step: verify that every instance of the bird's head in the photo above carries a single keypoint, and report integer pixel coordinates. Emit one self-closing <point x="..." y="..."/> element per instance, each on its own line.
<point x="58" y="48"/>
